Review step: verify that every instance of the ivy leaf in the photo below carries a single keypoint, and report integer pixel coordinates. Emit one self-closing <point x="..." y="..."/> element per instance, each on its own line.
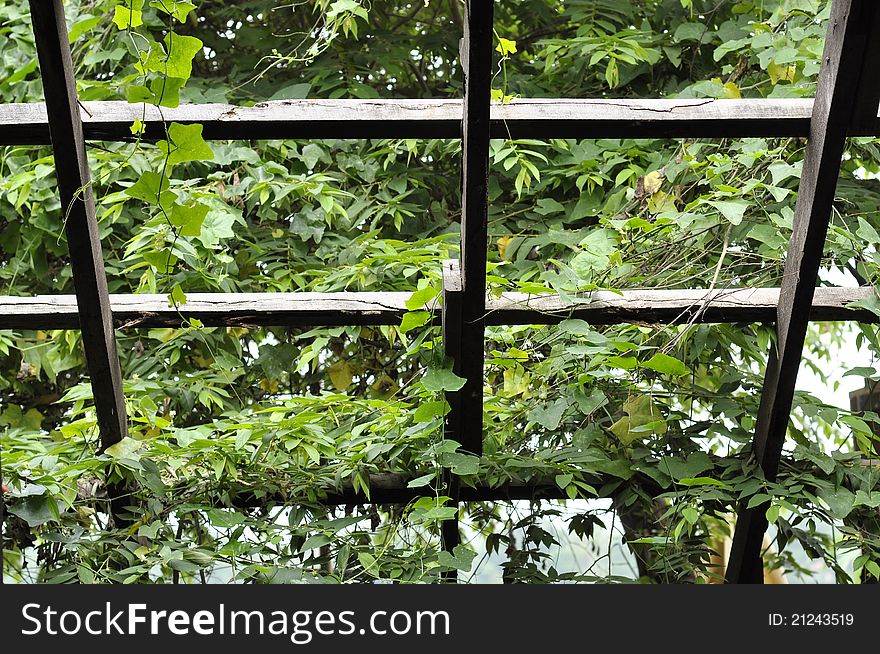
<point x="177" y="297"/>
<point x="598" y="247"/>
<point x="461" y="558"/>
<point x="421" y="297"/>
<point x="505" y="46"/>
<point x="125" y="449"/>
<point x="732" y="210"/>
<point x="642" y="419"/>
<point x="188" y="218"/>
<point x="311" y="154"/>
<point x="867" y="232"/>
<point x="152" y="188"/>
<point x="461" y="464"/>
<point x="340" y="374"/>
<point x="840" y="501"/>
<point x="677" y="468"/>
<point x="872" y="304"/>
<point x="665" y="364"/>
<point x="34" y="510"/>
<point x="163" y="91"/>
<point x="179" y="10"/>
<point x="176" y="60"/>
<point x="427" y="411"/>
<point x="414" y="319"/>
<point x="549" y="416"/>
<point x="442" y="379"/>
<point x="187" y="144"/>
<point x="124" y="18"/>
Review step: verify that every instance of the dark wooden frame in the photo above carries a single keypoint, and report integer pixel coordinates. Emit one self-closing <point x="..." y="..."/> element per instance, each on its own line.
<point x="853" y="41"/>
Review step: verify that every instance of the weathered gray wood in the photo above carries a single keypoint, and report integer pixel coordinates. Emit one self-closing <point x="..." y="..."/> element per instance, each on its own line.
<point x="330" y="309"/>
<point x="852" y="26"/>
<point x="27" y="124"/>
<point x="454" y="424"/>
<point x="476" y="56"/>
<point x="81" y="226"/>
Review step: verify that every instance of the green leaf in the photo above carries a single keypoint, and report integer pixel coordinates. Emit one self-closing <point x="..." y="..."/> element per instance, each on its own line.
<point x="424" y="480"/>
<point x="152" y="188"/>
<point x="292" y="92"/>
<point x="124" y="18"/>
<point x="867" y="232"/>
<point x="442" y="379"/>
<point x="461" y="464"/>
<point x="127" y="448"/>
<point x="677" y="468"/>
<point x="176" y="60"/>
<point x="840" y="501"/>
<point x="663" y="363"/>
<point x="188" y="218"/>
<point x="34" y="510"/>
<point x="428" y="411"/>
<point x="549" y="415"/>
<point x="164" y="92"/>
<point x="733" y="210"/>
<point x="461" y="558"/>
<point x="421" y="297"/>
<point x="177" y="297"/>
<point x="187" y="144"/>
<point x="368" y="561"/>
<point x="311" y="154"/>
<point x="595" y="256"/>
<point x="178" y="9"/>
<point x="414" y="319"/>
<point x="872" y="304"/>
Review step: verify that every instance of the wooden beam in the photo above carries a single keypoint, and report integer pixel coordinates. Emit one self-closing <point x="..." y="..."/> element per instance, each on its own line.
<point x="81" y="226"/>
<point x="454" y="425"/>
<point x="476" y="63"/>
<point x="332" y="309"/>
<point x="852" y="27"/>
<point x="27" y="124"/>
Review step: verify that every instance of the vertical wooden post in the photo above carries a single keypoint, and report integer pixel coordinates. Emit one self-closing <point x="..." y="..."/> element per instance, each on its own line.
<point x="455" y="419"/>
<point x="464" y="286"/>
<point x="853" y="28"/>
<point x="80" y="222"/>
<point x="477" y="67"/>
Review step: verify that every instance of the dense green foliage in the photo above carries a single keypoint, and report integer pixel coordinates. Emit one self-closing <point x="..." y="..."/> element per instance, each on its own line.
<point x="288" y="414"/>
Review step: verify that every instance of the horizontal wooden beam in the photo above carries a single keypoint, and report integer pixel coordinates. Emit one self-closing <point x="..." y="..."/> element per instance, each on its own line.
<point x="331" y="309"/>
<point x="27" y="124"/>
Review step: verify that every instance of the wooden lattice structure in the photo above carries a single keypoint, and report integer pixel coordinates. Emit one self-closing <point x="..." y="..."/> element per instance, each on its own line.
<point x="846" y="104"/>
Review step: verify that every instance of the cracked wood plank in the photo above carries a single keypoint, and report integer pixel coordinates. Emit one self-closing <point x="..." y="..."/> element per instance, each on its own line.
<point x="27" y="124"/>
<point x="333" y="309"/>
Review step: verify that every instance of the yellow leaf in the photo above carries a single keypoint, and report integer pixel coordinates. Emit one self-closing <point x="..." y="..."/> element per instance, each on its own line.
<point x="340" y="374"/>
<point x="781" y="73"/>
<point x="502" y="243"/>
<point x="643" y="419"/>
<point x="660" y="202"/>
<point x="731" y="91"/>
<point x="516" y="382"/>
<point x="506" y="46"/>
<point x="651" y="182"/>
